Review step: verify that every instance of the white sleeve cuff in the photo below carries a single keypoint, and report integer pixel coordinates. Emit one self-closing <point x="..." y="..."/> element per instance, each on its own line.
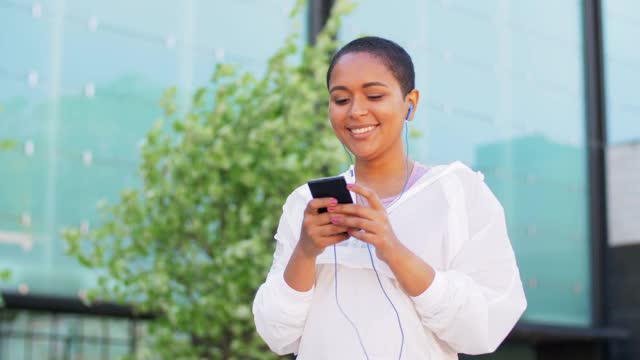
<point x="290" y="294"/>
<point x="430" y="301"/>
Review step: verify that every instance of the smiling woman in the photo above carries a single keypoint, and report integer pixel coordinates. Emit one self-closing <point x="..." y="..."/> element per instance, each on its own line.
<point x="444" y="279"/>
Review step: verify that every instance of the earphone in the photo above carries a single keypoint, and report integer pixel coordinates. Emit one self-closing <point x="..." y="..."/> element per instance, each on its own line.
<point x="409" y="113"/>
<point x="335" y="257"/>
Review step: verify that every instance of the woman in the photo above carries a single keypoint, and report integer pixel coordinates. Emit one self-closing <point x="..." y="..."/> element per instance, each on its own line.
<point x="443" y="279"/>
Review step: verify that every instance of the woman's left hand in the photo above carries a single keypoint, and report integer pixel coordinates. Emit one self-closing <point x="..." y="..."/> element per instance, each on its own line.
<point x="368" y="223"/>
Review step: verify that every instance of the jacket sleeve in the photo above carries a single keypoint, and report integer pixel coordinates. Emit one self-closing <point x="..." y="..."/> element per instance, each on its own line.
<point x="476" y="300"/>
<point x="280" y="311"/>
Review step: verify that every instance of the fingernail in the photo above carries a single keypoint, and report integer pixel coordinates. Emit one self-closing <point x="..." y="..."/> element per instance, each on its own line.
<point x="334" y="220"/>
<point x="331" y="209"/>
<point x="333" y="202"/>
<point x="349" y="186"/>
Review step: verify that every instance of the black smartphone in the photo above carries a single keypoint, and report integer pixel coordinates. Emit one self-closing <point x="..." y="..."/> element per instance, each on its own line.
<point x="335" y="187"/>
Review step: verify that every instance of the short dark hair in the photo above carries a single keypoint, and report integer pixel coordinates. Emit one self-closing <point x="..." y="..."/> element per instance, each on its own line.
<point x="392" y="55"/>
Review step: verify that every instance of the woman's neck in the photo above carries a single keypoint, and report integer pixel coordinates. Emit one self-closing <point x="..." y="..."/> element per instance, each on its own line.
<point x="386" y="176"/>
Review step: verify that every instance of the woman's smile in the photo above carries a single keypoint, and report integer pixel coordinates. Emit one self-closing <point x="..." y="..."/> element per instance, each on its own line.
<point x="362" y="131"/>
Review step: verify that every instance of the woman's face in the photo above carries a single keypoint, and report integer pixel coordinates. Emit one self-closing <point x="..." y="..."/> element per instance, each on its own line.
<point x="366" y="106"/>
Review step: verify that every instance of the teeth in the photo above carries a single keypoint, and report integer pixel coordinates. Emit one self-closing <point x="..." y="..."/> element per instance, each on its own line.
<point x="362" y="130"/>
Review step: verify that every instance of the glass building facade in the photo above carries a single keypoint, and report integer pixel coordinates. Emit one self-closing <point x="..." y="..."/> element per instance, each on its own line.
<point x="80" y="84"/>
<point x="502" y="87"/>
<point x="621" y="63"/>
<point x="32" y="335"/>
<point x="502" y="90"/>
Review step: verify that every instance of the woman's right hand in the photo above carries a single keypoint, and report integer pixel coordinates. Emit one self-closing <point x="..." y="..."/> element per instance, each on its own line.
<point x="317" y="230"/>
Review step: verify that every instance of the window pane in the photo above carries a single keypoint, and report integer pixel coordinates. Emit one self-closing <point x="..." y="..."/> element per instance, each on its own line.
<point x="26" y="335"/>
<point x="621" y="30"/>
<point x="81" y="82"/>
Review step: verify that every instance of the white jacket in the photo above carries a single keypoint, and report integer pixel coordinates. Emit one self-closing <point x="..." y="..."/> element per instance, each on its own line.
<point x="452" y="220"/>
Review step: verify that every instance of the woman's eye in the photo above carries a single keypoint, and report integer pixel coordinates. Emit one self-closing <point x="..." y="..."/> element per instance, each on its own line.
<point x="341" y="101"/>
<point x="375" y="97"/>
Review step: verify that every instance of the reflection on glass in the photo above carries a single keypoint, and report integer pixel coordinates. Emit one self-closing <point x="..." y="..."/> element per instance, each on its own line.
<point x="80" y="88"/>
<point x="621" y="29"/>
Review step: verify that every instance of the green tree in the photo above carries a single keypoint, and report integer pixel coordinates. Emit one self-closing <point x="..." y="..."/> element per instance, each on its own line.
<point x="195" y="241"/>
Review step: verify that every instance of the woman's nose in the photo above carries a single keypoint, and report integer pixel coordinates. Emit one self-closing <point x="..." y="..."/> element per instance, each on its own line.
<point x="358" y="109"/>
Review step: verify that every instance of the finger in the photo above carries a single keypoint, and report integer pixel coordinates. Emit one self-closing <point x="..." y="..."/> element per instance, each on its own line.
<point x="313" y="221"/>
<point x="355" y="210"/>
<point x="367" y="237"/>
<point x="320" y="225"/>
<point x="334" y="239"/>
<point x="358" y="223"/>
<point x="331" y="229"/>
<point x="315" y="204"/>
<point x="371" y="197"/>
<point x="320" y="219"/>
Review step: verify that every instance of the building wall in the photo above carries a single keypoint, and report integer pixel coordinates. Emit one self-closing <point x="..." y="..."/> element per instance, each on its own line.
<point x="623" y="300"/>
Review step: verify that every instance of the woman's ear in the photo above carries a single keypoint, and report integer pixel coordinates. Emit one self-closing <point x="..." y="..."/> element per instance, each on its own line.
<point x="412" y="98"/>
